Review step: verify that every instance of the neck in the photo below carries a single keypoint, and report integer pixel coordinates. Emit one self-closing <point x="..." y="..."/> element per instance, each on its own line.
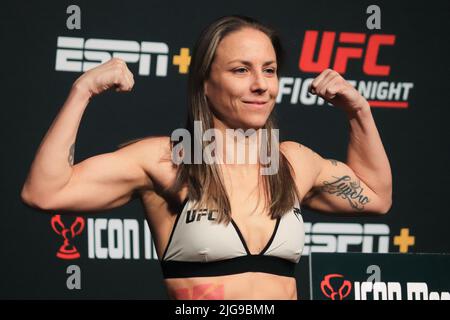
<point x="237" y="148"/>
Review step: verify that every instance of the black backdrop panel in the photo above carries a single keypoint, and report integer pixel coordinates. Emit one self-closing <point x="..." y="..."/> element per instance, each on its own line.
<point x="413" y="127"/>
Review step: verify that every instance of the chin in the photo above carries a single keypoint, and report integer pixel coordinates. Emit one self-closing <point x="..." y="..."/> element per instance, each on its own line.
<point x="256" y="123"/>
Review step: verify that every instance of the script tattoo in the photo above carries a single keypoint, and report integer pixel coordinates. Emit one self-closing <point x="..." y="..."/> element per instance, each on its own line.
<point x="347" y="189"/>
<point x="71" y="154"/>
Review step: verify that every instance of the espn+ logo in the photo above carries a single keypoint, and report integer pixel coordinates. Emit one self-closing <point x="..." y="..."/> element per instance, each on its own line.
<point x="79" y="55"/>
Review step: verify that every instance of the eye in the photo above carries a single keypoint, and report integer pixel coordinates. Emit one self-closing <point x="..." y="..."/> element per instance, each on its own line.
<point x="240" y="69"/>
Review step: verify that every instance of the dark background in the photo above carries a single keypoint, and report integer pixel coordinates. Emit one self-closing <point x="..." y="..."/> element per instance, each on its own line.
<point x="415" y="138"/>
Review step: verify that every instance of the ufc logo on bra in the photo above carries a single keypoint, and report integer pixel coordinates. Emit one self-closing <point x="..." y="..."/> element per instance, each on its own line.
<point x="197" y="215"/>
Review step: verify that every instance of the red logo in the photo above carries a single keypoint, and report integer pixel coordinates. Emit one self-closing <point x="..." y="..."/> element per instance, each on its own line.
<point x="67" y="251"/>
<point x="371" y="44"/>
<point x="335" y="290"/>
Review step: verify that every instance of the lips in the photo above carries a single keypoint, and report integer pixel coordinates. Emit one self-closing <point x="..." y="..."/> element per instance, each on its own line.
<point x="256" y="102"/>
<point x="255" y="105"/>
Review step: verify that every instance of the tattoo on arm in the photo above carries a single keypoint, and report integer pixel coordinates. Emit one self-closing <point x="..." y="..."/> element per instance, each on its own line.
<point x="71" y="154"/>
<point x="334" y="162"/>
<point x="316" y="191"/>
<point x="347" y="189"/>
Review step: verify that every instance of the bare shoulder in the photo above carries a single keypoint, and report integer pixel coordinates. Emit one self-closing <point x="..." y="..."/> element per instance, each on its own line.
<point x="305" y="163"/>
<point x="146" y="149"/>
<point x="298" y="153"/>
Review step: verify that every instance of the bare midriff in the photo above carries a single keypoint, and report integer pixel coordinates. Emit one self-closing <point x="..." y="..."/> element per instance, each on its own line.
<point x="242" y="286"/>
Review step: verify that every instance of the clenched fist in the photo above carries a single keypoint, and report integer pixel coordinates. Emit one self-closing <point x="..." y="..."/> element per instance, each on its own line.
<point x="113" y="73"/>
<point x="332" y="87"/>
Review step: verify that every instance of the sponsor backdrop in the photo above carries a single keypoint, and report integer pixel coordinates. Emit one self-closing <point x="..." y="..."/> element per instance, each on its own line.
<point x="379" y="276"/>
<point x="401" y="68"/>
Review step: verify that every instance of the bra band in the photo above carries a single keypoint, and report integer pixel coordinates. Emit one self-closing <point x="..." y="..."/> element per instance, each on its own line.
<point x="248" y="263"/>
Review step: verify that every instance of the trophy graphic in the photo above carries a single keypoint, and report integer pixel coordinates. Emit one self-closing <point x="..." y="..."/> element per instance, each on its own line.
<point x="338" y="290"/>
<point x="67" y="251"/>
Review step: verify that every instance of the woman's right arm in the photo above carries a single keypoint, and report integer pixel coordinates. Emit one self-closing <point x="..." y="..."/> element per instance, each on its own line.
<point x="97" y="183"/>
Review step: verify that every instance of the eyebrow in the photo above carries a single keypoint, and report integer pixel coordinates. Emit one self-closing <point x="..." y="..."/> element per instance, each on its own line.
<point x="248" y="63"/>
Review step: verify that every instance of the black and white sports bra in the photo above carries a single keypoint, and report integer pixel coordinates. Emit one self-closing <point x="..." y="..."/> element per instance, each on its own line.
<point x="200" y="247"/>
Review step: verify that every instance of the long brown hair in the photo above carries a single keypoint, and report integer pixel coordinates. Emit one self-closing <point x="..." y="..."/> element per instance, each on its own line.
<point x="205" y="181"/>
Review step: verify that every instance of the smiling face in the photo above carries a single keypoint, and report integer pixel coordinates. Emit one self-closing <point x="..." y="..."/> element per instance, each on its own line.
<point x="243" y="84"/>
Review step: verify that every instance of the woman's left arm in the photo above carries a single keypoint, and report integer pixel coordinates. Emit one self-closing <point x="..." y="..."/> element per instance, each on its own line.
<point x="367" y="165"/>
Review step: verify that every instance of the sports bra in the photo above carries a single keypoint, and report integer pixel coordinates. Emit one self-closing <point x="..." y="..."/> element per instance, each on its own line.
<point x="200" y="247"/>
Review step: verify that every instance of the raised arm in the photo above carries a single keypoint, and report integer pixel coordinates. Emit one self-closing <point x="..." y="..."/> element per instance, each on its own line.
<point x="97" y="183"/>
<point x="363" y="184"/>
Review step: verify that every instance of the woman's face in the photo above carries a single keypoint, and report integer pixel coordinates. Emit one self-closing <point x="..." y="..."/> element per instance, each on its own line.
<point x="243" y="84"/>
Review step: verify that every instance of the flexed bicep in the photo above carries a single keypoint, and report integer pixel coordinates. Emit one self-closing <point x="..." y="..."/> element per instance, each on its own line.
<point x="102" y="182"/>
<point x="338" y="189"/>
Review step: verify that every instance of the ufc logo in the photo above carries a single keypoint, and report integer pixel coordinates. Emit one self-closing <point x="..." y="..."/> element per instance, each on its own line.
<point x="197" y="215"/>
<point x="77" y="54"/>
<point x="371" y="44"/>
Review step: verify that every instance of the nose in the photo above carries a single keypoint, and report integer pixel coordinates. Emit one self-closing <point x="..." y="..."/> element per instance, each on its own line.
<point x="259" y="83"/>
